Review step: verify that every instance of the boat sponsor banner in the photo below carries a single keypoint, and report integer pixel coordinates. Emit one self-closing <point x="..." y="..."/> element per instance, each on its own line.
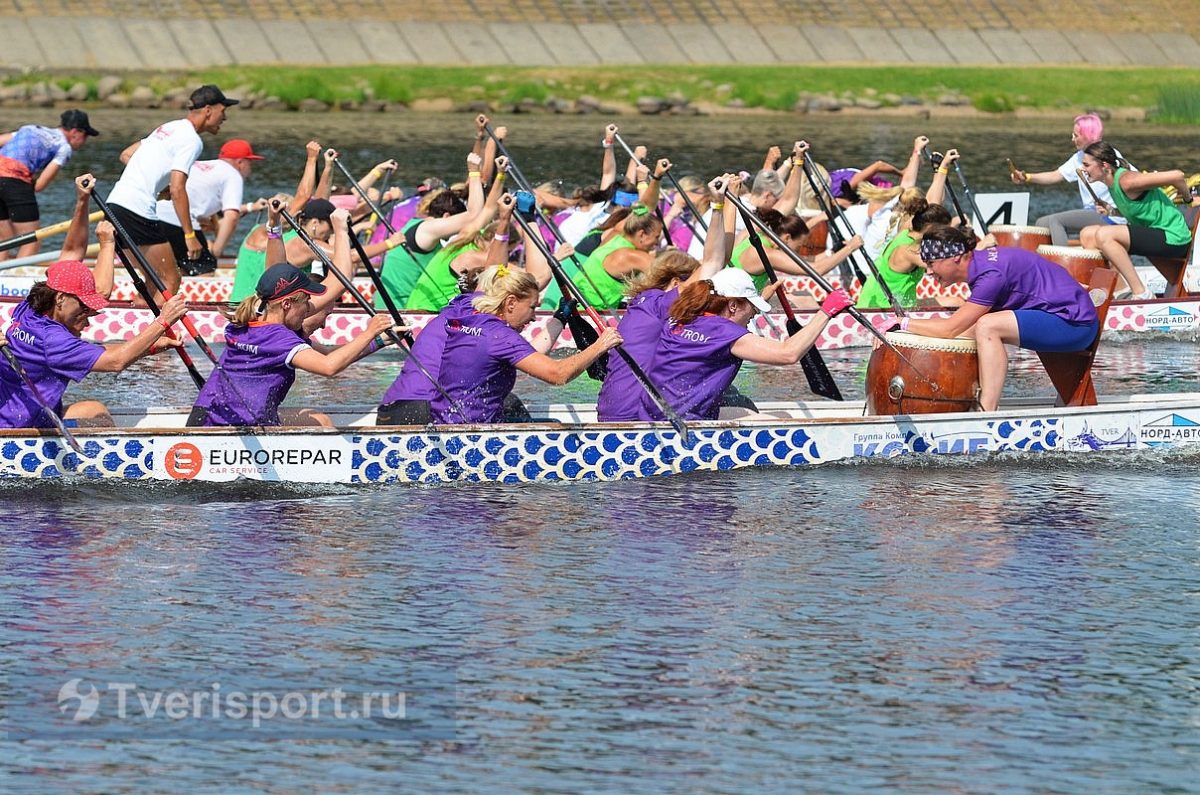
<point x="300" y="458"/>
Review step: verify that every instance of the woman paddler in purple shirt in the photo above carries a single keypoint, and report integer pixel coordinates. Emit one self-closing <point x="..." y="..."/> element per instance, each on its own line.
<point x="407" y="400"/>
<point x="650" y="296"/>
<point x="702" y="345"/>
<point x="267" y="340"/>
<point x="1017" y="298"/>
<point x="484" y="350"/>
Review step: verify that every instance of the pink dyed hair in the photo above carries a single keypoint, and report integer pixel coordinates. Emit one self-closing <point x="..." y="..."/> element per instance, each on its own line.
<point x="1090" y="127"/>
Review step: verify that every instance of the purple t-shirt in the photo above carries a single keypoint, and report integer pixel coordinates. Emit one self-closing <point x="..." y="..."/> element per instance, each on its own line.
<point x="255" y="375"/>
<point x="478" y="368"/>
<point x="620" y="396"/>
<point x="1013" y="278"/>
<point x="692" y="366"/>
<point x="52" y="357"/>
<point x="412" y="384"/>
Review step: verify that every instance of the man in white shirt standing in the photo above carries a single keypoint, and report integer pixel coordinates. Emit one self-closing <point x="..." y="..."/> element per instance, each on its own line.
<point x="213" y="187"/>
<point x="163" y="157"/>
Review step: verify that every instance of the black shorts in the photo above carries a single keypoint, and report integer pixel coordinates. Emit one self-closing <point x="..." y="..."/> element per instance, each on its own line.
<point x="1150" y="242"/>
<point x="18" y="202"/>
<point x="404" y="412"/>
<point x="205" y="263"/>
<point x="143" y="231"/>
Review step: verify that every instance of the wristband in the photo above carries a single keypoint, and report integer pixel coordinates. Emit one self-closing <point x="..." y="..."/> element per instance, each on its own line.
<point x="391" y="244"/>
<point x="656" y="178"/>
<point x="473" y="174"/>
<point x="500" y="176"/>
<point x="797" y="161"/>
<point x="274" y="235"/>
<point x="606" y="144"/>
<point x="375" y="173"/>
<point x="1028" y="179"/>
<point x="943" y="170"/>
<point x="502" y="238"/>
<point x="189" y="235"/>
<point x="904" y="324"/>
<point x="277" y="230"/>
<point x="642" y="186"/>
<point x="166" y="326"/>
<point x="717" y="206"/>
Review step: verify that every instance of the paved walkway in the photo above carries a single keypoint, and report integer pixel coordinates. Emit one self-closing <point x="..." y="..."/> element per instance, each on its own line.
<point x="138" y="34"/>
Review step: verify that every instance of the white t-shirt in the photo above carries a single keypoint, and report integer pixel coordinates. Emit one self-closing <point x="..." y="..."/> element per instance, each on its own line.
<point x="696" y="247"/>
<point x="213" y="186"/>
<point x="580" y="222"/>
<point x="1067" y="171"/>
<point x="172" y="147"/>
<point x="873" y="229"/>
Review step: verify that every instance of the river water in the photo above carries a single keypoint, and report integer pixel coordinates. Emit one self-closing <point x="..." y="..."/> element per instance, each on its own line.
<point x="1004" y="625"/>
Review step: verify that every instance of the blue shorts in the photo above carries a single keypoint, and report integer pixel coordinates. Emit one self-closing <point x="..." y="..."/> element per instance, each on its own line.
<point x="1042" y="331"/>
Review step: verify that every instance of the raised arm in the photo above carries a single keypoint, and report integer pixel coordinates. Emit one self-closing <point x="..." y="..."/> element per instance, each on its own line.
<point x="639" y="156"/>
<point x="340" y="220"/>
<point x="308" y="179"/>
<point x="937" y="188"/>
<point x="489" y="154"/>
<point x="718" y="244"/>
<point x="323" y="185"/>
<point x="791" y="190"/>
<point x="648" y="195"/>
<point x="909" y="178"/>
<point x="105" y="258"/>
<point x="75" y="243"/>
<point x="608" y="165"/>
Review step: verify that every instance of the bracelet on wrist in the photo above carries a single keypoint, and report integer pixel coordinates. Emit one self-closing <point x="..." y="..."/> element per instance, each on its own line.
<point x="391" y="244"/>
<point x="642" y="186"/>
<point x="607" y="144"/>
<point x="274" y="236"/>
<point x="375" y="173"/>
<point x="717" y="206"/>
<point x="473" y="174"/>
<point x="189" y="235"/>
<point x="904" y="324"/>
<point x="943" y="170"/>
<point x="500" y="176"/>
<point x="1028" y="178"/>
<point x="166" y="326"/>
<point x="502" y="238"/>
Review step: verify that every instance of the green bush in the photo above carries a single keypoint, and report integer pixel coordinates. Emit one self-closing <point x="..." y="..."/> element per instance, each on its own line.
<point x="1178" y="104"/>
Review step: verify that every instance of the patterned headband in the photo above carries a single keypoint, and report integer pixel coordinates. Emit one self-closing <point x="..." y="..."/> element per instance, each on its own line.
<point x="940" y="249"/>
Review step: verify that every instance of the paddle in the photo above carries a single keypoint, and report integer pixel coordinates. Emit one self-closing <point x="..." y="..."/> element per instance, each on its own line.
<point x="573" y="291"/>
<point x="67" y="436"/>
<point x="962" y="178"/>
<point x="44" y="232"/>
<point x="125" y="244"/>
<point x="524" y="185"/>
<point x="752" y="219"/>
<point x="45" y="256"/>
<point x="820" y="380"/>
<point x="675" y="184"/>
<point x="1083" y="177"/>
<point x="402" y="340"/>
<point x="814" y="177"/>
<point x="935" y="160"/>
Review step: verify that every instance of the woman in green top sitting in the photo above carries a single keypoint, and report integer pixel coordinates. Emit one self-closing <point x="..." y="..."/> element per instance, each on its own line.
<point x="463" y="256"/>
<point x="625" y="254"/>
<point x="794" y="232"/>
<point x="1156" y="227"/>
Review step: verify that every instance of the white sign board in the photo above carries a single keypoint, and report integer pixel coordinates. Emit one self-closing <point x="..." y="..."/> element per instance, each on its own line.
<point x="1000" y="208"/>
<point x="300" y="458"/>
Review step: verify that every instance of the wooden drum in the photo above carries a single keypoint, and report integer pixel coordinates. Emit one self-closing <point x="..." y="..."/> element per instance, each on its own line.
<point x="814" y="241"/>
<point x="1026" y="237"/>
<point x="946" y="377"/>
<point x="1079" y="262"/>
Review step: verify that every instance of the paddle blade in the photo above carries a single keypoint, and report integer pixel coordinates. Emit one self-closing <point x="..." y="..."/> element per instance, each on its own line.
<point x="820" y="380"/>
<point x="585" y="334"/>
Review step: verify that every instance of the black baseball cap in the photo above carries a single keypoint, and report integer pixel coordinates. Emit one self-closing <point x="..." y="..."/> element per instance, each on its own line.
<point x="207" y="95"/>
<point x="283" y="279"/>
<point x="77" y="120"/>
<point x="320" y="209"/>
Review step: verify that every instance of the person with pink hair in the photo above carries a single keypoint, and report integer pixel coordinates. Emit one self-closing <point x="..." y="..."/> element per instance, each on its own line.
<point x="1088" y="129"/>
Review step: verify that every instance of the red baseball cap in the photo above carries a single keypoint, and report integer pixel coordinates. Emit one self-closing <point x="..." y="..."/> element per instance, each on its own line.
<point x="72" y="277"/>
<point x="236" y="148"/>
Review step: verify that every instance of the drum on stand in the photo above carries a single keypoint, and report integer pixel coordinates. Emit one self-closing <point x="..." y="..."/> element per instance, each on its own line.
<point x="1079" y="262"/>
<point x="814" y="241"/>
<point x="946" y="377"/>
<point x="1026" y="237"/>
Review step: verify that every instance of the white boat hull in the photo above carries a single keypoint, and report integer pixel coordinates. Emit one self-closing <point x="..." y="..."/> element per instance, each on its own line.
<point x="577" y="449"/>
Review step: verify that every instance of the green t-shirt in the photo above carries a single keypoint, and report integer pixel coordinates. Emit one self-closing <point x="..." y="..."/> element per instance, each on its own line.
<point x="903" y="285"/>
<point x="599" y="288"/>
<point x="438" y="284"/>
<point x="1153" y="210"/>
<point x="761" y="280"/>
<point x="401" y="271"/>
<point x="250" y="267"/>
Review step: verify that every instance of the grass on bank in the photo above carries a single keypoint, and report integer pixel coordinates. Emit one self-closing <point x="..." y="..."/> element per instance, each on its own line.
<point x="1172" y="95"/>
